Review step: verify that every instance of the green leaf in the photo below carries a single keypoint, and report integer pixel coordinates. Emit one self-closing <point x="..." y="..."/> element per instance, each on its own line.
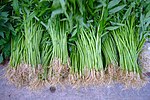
<point x="73" y="39"/>
<point x="103" y="2"/>
<point x="81" y="7"/>
<point x="9" y="26"/>
<point x="113" y="3"/>
<point x="6" y="50"/>
<point x="55" y="5"/>
<point x="1" y="58"/>
<point x="146" y="19"/>
<point x="127" y="14"/>
<point x="2" y="34"/>
<point x="147" y="8"/>
<point x="15" y="6"/>
<point x="91" y="3"/>
<point x="1" y="28"/>
<point x="7" y="36"/>
<point x="3" y="18"/>
<point x="56" y="12"/>
<point x="30" y="17"/>
<point x="104" y="34"/>
<point x="62" y="2"/>
<point x="74" y="32"/>
<point x="63" y="5"/>
<point x="112" y="28"/>
<point x="2" y="7"/>
<point x="43" y="11"/>
<point x="2" y="41"/>
<point x="148" y="14"/>
<point x="116" y="9"/>
<point x="98" y="6"/>
<point x="4" y="14"/>
<point x="117" y="24"/>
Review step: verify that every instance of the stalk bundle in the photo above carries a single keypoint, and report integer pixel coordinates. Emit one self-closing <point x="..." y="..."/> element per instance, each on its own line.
<point x="25" y="63"/>
<point x="87" y="62"/>
<point x="58" y="31"/>
<point x="128" y="43"/>
<point x="87" y="42"/>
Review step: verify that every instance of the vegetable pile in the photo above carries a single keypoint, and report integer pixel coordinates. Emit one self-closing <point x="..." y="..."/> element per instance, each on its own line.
<point x="78" y="42"/>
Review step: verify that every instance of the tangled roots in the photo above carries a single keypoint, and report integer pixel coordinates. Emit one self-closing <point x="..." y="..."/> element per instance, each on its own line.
<point x="60" y="72"/>
<point x="131" y="79"/>
<point x="23" y="75"/>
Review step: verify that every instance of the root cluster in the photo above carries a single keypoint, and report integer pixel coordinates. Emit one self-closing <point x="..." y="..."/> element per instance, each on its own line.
<point x="25" y="75"/>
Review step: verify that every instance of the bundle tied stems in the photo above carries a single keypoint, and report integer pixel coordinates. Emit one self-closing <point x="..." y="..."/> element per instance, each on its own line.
<point x="58" y="31"/>
<point x="111" y="58"/>
<point x="127" y="42"/>
<point x="25" y="67"/>
<point x="87" y="58"/>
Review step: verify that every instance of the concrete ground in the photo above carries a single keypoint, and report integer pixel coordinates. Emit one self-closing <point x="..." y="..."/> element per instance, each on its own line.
<point x="117" y="92"/>
<point x="10" y="92"/>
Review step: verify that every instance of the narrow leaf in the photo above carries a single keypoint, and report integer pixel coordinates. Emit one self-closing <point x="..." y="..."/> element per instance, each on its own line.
<point x="118" y="24"/>
<point x="116" y="9"/>
<point x="148" y="14"/>
<point x="4" y="14"/>
<point x="112" y="28"/>
<point x="1" y="58"/>
<point x="30" y="17"/>
<point x="15" y="6"/>
<point x="146" y="19"/>
<point x="2" y="41"/>
<point x="103" y="3"/>
<point x="113" y="3"/>
<point x="56" y="12"/>
<point x="127" y="13"/>
<point x="2" y="34"/>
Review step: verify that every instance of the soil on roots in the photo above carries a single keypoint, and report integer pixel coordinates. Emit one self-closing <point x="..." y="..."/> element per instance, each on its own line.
<point x="23" y="74"/>
<point x="19" y="76"/>
<point x="90" y="77"/>
<point x="131" y="79"/>
<point x="111" y="74"/>
<point x="93" y="77"/>
<point x="37" y="84"/>
<point x="60" y="72"/>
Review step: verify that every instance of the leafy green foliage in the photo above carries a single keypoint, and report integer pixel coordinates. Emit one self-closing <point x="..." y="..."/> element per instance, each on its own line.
<point x="6" y="30"/>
